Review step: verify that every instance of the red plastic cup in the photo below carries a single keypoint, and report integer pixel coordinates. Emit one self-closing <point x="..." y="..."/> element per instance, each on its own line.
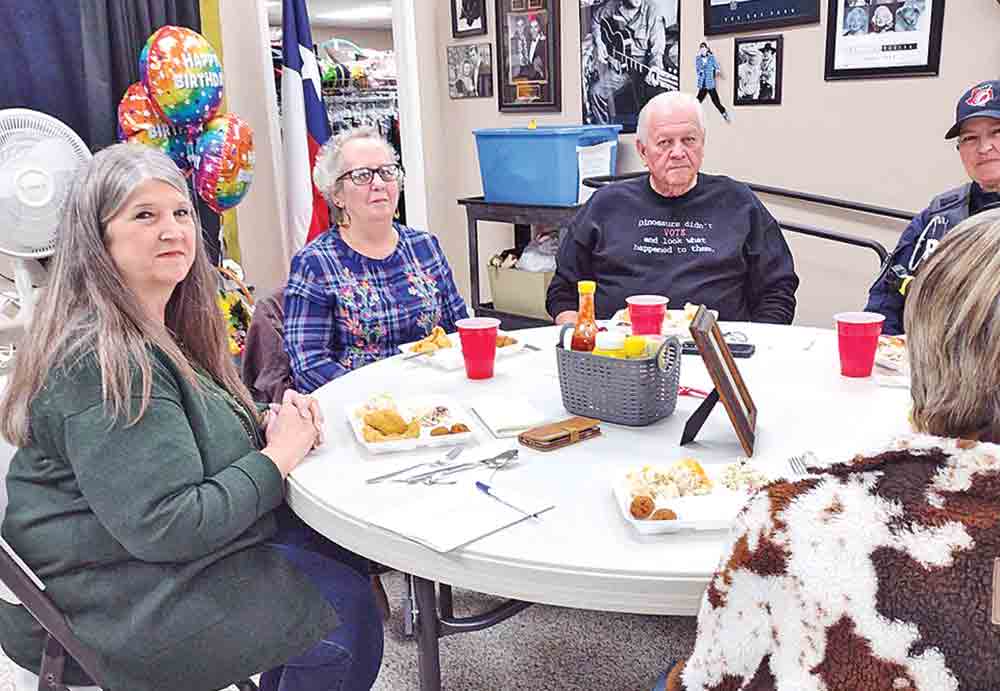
<point x="857" y="338"/>
<point x="479" y="345"/>
<point x="646" y="313"/>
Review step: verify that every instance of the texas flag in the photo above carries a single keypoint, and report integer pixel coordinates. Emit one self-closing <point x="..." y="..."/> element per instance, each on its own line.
<point x="304" y="124"/>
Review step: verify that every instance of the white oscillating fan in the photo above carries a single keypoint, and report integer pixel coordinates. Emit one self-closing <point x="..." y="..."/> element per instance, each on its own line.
<point x="39" y="156"/>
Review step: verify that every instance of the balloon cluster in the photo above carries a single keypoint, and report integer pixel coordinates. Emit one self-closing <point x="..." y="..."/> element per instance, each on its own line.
<point x="173" y="108"/>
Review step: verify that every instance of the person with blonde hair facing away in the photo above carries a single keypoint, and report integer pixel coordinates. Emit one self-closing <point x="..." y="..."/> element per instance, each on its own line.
<point x="879" y="572"/>
<point x="368" y="284"/>
<point x="146" y="485"/>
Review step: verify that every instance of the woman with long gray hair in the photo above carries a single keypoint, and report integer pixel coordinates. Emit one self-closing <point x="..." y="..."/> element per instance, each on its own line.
<point x="882" y="572"/>
<point x="368" y="284"/>
<point x="145" y="488"/>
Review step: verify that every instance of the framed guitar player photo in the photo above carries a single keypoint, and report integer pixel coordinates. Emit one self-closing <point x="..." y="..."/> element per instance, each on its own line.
<point x="622" y="67"/>
<point x="528" y="67"/>
<point x="726" y="377"/>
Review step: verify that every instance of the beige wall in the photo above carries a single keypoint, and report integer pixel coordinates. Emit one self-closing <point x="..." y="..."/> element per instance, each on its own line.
<point x="876" y="141"/>
<point x="249" y="86"/>
<point x="371" y="39"/>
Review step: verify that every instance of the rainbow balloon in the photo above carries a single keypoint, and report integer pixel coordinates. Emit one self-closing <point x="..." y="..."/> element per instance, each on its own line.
<point x="139" y="121"/>
<point x="223" y="162"/>
<point x="182" y="75"/>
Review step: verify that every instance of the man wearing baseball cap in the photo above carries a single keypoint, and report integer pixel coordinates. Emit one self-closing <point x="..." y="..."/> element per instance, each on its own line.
<point x="977" y="128"/>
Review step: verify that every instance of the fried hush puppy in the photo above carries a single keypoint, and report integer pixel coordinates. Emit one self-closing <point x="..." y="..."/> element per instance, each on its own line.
<point x="663" y="515"/>
<point x="457" y="428"/>
<point x="641" y="507"/>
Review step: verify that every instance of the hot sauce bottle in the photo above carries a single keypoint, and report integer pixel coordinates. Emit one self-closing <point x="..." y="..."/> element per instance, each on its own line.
<point x="585" y="333"/>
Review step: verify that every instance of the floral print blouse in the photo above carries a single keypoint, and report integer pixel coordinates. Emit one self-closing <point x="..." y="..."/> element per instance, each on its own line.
<point x="344" y="310"/>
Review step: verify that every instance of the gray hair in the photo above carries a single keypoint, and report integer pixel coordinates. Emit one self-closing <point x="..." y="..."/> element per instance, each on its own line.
<point x="88" y="310"/>
<point x="667" y="102"/>
<point x="952" y="321"/>
<point x="330" y="164"/>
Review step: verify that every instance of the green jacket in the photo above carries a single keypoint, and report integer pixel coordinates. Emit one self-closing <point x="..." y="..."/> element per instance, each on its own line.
<point x="152" y="539"/>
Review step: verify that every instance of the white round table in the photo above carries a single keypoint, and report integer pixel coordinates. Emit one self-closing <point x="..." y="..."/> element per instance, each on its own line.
<point x="582" y="553"/>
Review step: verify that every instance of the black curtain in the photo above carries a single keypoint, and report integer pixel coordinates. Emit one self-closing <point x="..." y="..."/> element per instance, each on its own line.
<point x="73" y="59"/>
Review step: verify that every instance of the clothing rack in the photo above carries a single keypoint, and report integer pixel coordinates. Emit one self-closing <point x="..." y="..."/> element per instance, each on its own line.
<point x="348" y="107"/>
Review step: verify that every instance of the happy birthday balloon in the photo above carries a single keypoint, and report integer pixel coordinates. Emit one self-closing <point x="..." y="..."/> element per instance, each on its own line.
<point x="139" y="121"/>
<point x="182" y="75"/>
<point x="223" y="162"/>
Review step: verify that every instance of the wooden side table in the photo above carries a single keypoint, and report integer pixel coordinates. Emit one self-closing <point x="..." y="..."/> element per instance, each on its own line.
<point x="522" y="216"/>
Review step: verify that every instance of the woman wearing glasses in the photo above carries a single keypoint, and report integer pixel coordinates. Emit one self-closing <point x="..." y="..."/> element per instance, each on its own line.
<point x="368" y="284"/>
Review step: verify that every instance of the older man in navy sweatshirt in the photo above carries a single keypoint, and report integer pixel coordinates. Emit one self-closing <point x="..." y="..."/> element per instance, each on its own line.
<point x="676" y="232"/>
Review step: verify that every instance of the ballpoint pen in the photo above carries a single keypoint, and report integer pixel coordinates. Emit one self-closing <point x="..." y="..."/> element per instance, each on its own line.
<point x="487" y="490"/>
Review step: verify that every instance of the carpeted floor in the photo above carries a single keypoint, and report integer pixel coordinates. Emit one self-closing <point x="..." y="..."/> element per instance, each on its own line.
<point x="540" y="649"/>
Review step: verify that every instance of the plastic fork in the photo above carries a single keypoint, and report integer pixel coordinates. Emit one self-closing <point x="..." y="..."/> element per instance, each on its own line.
<point x="450" y="456"/>
<point x="798" y="463"/>
<point x="431" y="477"/>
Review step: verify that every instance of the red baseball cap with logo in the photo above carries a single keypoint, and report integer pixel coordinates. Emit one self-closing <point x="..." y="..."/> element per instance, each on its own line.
<point x="981" y="101"/>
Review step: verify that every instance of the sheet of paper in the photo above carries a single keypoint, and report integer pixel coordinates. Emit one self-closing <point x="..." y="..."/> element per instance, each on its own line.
<point x="448" y="517"/>
<point x="593" y="161"/>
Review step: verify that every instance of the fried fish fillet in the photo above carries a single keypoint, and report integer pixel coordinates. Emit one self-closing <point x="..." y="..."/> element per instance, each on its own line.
<point x="386" y="421"/>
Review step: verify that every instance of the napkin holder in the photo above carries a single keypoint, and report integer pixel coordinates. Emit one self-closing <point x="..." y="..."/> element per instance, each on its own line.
<point x="556" y="435"/>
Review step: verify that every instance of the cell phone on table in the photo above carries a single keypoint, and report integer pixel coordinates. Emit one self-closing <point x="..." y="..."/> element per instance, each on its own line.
<point x="737" y="349"/>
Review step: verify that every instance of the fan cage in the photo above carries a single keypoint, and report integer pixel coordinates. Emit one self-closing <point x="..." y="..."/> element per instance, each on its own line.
<point x="22" y="123"/>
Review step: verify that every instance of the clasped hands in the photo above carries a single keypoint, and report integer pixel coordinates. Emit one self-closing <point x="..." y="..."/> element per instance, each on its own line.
<point x="294" y="403"/>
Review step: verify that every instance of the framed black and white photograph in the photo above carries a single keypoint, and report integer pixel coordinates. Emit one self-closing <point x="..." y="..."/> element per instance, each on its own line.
<point x="468" y="18"/>
<point x="470" y="71"/>
<point x="528" y="68"/>
<point x="870" y="39"/>
<point x="731" y="16"/>
<point x="757" y="67"/>
<point x="629" y="52"/>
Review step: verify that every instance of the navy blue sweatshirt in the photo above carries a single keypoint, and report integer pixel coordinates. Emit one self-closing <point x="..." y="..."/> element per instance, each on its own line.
<point x="714" y="245"/>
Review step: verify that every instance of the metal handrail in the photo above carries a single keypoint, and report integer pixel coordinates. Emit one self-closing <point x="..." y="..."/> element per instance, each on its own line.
<point x="855" y="240"/>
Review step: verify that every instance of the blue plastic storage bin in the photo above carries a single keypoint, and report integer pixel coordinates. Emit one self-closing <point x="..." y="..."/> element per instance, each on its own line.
<point x="537" y="166"/>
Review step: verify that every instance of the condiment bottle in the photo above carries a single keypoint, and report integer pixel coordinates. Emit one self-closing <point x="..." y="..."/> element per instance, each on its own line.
<point x="585" y="333"/>
<point x="610" y="344"/>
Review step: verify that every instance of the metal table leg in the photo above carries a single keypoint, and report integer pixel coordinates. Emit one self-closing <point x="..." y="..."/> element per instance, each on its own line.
<point x="427" y="629"/>
<point x="445" y="603"/>
<point x="430" y="626"/>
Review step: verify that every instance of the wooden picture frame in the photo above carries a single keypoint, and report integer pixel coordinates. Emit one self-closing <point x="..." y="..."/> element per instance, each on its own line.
<point x="884" y="39"/>
<point x="726" y="377"/>
<point x="757" y="65"/>
<point x="528" y="57"/>
<point x="734" y="16"/>
<point x="460" y="26"/>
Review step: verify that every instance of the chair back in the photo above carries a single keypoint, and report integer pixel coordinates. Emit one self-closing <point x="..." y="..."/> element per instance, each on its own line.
<point x="265" y="367"/>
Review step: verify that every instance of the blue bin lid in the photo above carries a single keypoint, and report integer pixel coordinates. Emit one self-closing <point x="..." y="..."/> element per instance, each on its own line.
<point x="548" y="129"/>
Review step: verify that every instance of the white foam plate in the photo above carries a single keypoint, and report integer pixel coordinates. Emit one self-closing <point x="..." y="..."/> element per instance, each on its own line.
<point x="407" y="408"/>
<point x="715" y="511"/>
<point x="675" y="322"/>
<point x="451" y="358"/>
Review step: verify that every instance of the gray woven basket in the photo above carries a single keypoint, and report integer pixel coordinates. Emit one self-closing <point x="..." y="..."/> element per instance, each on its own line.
<point x="626" y="392"/>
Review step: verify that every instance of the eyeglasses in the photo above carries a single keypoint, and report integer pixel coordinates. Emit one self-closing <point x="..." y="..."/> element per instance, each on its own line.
<point x="364" y="176"/>
<point x="974" y="142"/>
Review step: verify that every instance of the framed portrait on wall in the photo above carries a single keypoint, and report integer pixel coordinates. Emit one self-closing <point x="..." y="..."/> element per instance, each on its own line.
<point x="757" y="66"/>
<point x="468" y="18"/>
<point x="732" y="16"/>
<point x="621" y="68"/>
<point x="528" y="68"/>
<point x="470" y="71"/>
<point x="883" y="38"/>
